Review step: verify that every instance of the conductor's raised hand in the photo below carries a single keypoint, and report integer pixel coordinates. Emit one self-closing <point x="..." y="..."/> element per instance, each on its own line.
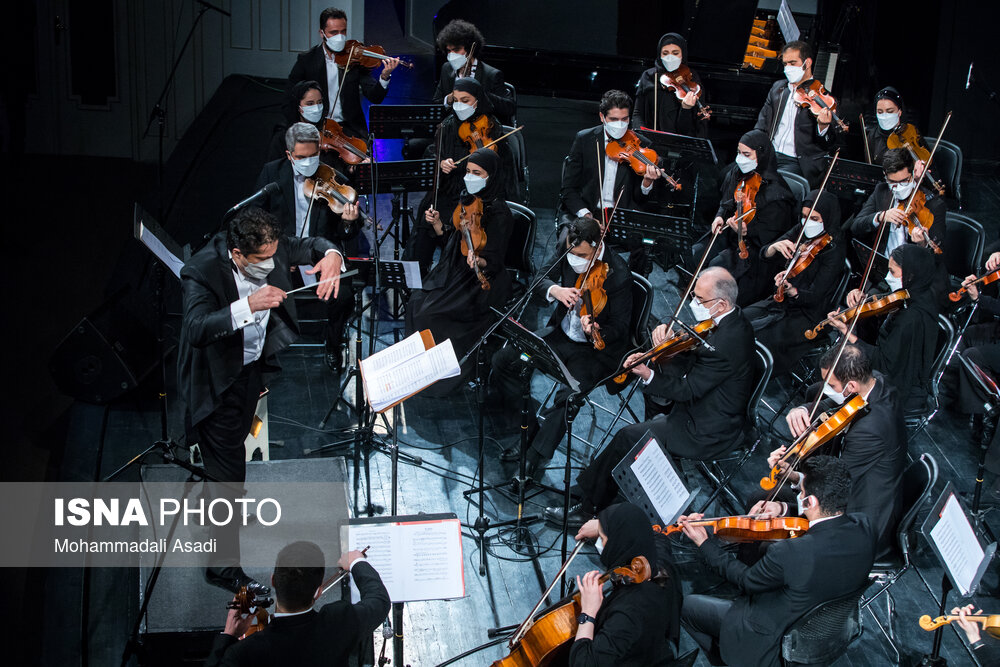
<point x="327" y="268"/>
<point x="265" y="298"/>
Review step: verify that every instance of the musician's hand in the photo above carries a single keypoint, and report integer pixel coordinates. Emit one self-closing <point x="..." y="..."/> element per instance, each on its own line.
<point x="732" y="222"/>
<point x="689" y="100"/>
<point x="236" y="623"/>
<point x="328" y="267"/>
<point x="971" y="628"/>
<point x="784" y="246"/>
<point x="918" y="236"/>
<point x="854" y="297"/>
<point x="265" y="298"/>
<point x="591" y="595"/>
<point x="447" y="165"/>
<point x="766" y="510"/>
<point x="696" y="534"/>
<point x="474" y="261"/>
<point x="434" y="217"/>
<point x="660" y="334"/>
<point x="652" y="173"/>
<point x="895" y="216"/>
<point x="824" y="118"/>
<point x="798" y="423"/>
<point x="347" y="559"/>
<point x="971" y="288"/>
<point x="993" y="263"/>
<point x="567" y="296"/>
<point x="588" y="531"/>
<point x="717" y="225"/>
<point x="588" y="324"/>
<point x="836" y="322"/>
<point x="642" y="370"/>
<point x="388" y="65"/>
<point x="351" y="212"/>
<point x="918" y="168"/>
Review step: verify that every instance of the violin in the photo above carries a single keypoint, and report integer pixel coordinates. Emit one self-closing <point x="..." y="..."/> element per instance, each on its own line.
<point x="356" y="53"/>
<point x="248" y="603"/>
<point x="990" y="623"/>
<point x="468" y="220"/>
<point x="682" y="82"/>
<point x="870" y="307"/>
<point x="905" y="135"/>
<point x="828" y="428"/>
<point x="745" y="195"/>
<point x="324" y="185"/>
<point x="591" y="286"/>
<point x="672" y="346"/>
<point x="813" y="96"/>
<point x="918" y="215"/>
<point x="476" y="133"/>
<point x="802" y="262"/>
<point x="628" y="149"/>
<point x="749" y="529"/>
<point x="984" y="280"/>
<point x="537" y="640"/>
<point x="350" y="149"/>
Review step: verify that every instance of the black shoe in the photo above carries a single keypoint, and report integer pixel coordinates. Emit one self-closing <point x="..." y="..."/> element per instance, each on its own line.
<point x="512" y="454"/>
<point x="577" y="517"/>
<point x="335" y="358"/>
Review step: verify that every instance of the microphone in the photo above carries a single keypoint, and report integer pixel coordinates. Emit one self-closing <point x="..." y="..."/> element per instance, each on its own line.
<point x="209" y="6"/>
<point x="263" y="193"/>
<point x="968" y="77"/>
<point x="386" y="629"/>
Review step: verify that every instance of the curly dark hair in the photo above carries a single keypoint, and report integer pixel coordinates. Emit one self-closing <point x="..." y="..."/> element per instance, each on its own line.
<point x="251" y="229"/>
<point x="460" y="33"/>
<point x="615" y="99"/>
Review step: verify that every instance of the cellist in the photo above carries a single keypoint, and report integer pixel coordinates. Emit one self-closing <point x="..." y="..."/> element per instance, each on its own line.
<point x="833" y="558"/>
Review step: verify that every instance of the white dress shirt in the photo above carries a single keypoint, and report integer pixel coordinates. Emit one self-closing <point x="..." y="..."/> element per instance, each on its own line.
<point x="608" y="195"/>
<point x="896" y="236"/>
<point x="784" y="135"/>
<point x="571" y="324"/>
<point x="301" y="206"/>
<point x="254" y="325"/>
<point x="336" y="111"/>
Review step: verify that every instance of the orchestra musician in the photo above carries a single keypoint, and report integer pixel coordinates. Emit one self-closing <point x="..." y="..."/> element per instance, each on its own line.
<point x="888" y="118"/>
<point x="569" y="336"/>
<point x="907" y="339"/>
<point x="319" y="64"/>
<point x="793" y="576"/>
<point x="303" y="104"/>
<point x="291" y="205"/>
<point x="236" y="320"/>
<point x="456" y="40"/>
<point x="873" y="447"/>
<point x="800" y="138"/>
<point x="706" y="391"/>
<point x="452" y="302"/>
<point x="299" y="634"/>
<point x="774" y="204"/>
<point x="658" y="108"/>
<point x="779" y="324"/>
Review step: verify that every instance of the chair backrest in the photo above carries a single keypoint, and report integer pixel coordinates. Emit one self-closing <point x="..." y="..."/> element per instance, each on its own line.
<point x="798" y="185"/>
<point x="762" y="368"/>
<point x="522" y="239"/>
<point x="947" y="167"/>
<point x="519" y="156"/>
<point x="513" y="94"/>
<point x="823" y="633"/>
<point x="978" y="377"/>
<point x="919" y="479"/>
<point x="964" y="241"/>
<point x="837" y="296"/>
<point x="946" y="339"/>
<point x="642" y="305"/>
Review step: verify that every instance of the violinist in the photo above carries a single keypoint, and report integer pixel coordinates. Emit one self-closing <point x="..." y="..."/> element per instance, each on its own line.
<point x="873" y="447"/>
<point x="801" y="139"/>
<point x="888" y="119"/>
<point x="754" y="189"/>
<point x="832" y="559"/>
<point x="907" y="339"/>
<point x="706" y="391"/>
<point x="453" y="302"/>
<point x="970" y="628"/>
<point x="291" y="205"/>
<point x="570" y="335"/>
<point x="634" y="624"/>
<point x="319" y="64"/>
<point x="303" y="104"/>
<point x="659" y="108"/>
<point x="807" y="295"/>
<point x="456" y="41"/>
<point x="300" y="634"/>
<point x="472" y="108"/>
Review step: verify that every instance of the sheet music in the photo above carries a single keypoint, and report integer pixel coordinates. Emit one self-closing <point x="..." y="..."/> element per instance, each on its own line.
<point x="789" y="29"/>
<point x="405" y="349"/>
<point x="148" y="238"/>
<point x="660" y="481"/>
<point x="958" y="545"/>
<point x="411" y="271"/>
<point x="413" y="375"/>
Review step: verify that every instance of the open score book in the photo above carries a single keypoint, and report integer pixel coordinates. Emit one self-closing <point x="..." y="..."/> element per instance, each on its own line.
<point x="394" y="374"/>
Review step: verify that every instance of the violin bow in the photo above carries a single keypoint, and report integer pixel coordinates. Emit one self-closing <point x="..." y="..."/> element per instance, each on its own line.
<point x="864" y="135"/>
<point x="522" y="629"/>
<point x="467" y="67"/>
<point x="335" y="579"/>
<point x="491" y="143"/>
<point x="437" y="157"/>
<point x="340" y="87"/>
<point x="927" y="165"/>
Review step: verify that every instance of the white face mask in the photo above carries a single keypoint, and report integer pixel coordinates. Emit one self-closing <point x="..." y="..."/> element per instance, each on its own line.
<point x="746" y="164"/>
<point x="794" y="73"/>
<point x="902" y="190"/>
<point x="456" y="60"/>
<point x="259" y="270"/>
<point x="699" y="310"/>
<point x="893" y="282"/>
<point x="800" y="500"/>
<point x="474" y="184"/>
<point x="887" y="121"/>
<point x="336" y="43"/>
<point x="813" y="228"/>
<point x="463" y="110"/>
<point x="616" y="128"/>
<point x="312" y="113"/>
<point x="671" y="62"/>
<point x="306" y="166"/>
<point x="577" y="263"/>
<point x="599" y="545"/>
<point x="828" y="391"/>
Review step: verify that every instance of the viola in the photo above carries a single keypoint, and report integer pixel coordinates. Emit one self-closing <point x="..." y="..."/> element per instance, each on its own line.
<point x="919" y="216"/>
<point x="629" y="149"/>
<point x="350" y="149"/>
<point x="248" y="603"/>
<point x="476" y="133"/>
<point x="871" y="307"/>
<point x="745" y="195"/>
<point x="990" y="623"/>
<point x="906" y="136"/>
<point x="748" y="528"/>
<point x="468" y="220"/>
<point x="828" y="428"/>
<point x="324" y="185"/>
<point x="672" y="346"/>
<point x="356" y="53"/>
<point x="805" y="258"/>
<point x="591" y="286"/>
<point x="682" y="82"/>
<point x="813" y="96"/>
<point x="983" y="280"/>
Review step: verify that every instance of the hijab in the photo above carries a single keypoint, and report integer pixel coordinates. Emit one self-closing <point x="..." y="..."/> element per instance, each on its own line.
<point x="471" y="85"/>
<point x="490" y="162"/>
<point x="919" y="275"/>
<point x="767" y="167"/>
<point x="670" y="38"/>
<point x="630" y="534"/>
<point x="828" y="207"/>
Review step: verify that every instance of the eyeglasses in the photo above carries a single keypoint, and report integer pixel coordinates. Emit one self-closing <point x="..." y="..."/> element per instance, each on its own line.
<point x="706" y="301"/>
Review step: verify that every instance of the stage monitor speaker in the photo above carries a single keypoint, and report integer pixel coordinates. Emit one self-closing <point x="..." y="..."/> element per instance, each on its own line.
<point x="104" y="356"/>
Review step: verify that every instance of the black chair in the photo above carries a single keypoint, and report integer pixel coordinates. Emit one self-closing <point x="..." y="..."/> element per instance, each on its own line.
<point x="797" y="184"/>
<point x="964" y="241"/>
<point x="947" y="167"/>
<point x="519" y="156"/>
<point x="918" y="481"/>
<point x="513" y="94"/>
<point x="519" y="247"/>
<point x="917" y="420"/>
<point x="823" y="633"/>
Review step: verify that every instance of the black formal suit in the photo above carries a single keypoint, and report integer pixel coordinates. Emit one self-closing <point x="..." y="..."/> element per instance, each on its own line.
<point x="833" y="558"/>
<point x="311" y="66"/>
<point x="810" y="147"/>
<point x="709" y="391"/>
<point x="324" y="637"/>
<point x="491" y="78"/>
<point x="581" y="187"/>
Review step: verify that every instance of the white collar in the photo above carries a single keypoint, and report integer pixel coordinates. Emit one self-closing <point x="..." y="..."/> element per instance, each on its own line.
<point x="721" y="317"/>
<point x="816" y="522"/>
<point x="282" y="614"/>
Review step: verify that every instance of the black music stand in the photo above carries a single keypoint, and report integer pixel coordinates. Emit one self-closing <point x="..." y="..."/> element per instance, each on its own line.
<point x="880" y="266"/>
<point x="669" y="145"/>
<point x="398" y="179"/>
<point x="851" y="179"/>
<point x="405" y="121"/>
<point x="670" y="236"/>
<point x="632" y="487"/>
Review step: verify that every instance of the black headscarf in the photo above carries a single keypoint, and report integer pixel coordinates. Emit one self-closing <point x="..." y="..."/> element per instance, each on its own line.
<point x="828" y="207"/>
<point x="890" y="93"/>
<point x="670" y="38"/>
<point x="767" y="167"/>
<point x="471" y="85"/>
<point x="294" y="101"/>
<point x="490" y="161"/>
<point x="630" y="534"/>
<point x="919" y="275"/>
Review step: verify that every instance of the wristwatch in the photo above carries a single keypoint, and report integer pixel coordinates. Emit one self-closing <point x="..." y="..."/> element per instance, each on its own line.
<point x="585" y="618"/>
